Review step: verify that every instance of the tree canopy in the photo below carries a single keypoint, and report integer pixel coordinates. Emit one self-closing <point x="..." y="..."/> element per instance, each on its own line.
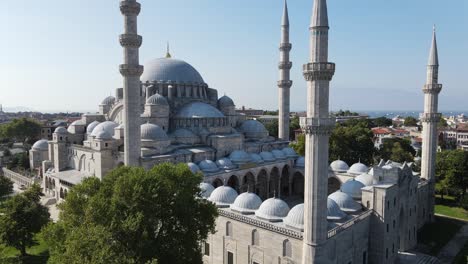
<point x="397" y="149"/>
<point x="346" y="113"/>
<point x="133" y="216"/>
<point x="382" y="122"/>
<point x="21" y="217"/>
<point x="272" y="128"/>
<point x="6" y="186"/>
<point x="410" y="121"/>
<point x="23" y="129"/>
<point x="452" y="171"/>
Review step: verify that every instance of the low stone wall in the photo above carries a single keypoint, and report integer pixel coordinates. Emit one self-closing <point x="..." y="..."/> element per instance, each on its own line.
<point x="19" y="179"/>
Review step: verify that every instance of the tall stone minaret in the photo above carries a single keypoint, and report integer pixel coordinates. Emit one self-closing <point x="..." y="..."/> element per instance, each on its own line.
<point x="317" y="127"/>
<point x="131" y="71"/>
<point x="285" y="82"/>
<point x="429" y="119"/>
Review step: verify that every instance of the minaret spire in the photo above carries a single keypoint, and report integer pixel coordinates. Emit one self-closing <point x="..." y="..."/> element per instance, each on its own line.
<point x="429" y="119"/>
<point x="168" y="53"/>
<point x="317" y="126"/>
<point x="284" y="82"/>
<point x="131" y="71"/>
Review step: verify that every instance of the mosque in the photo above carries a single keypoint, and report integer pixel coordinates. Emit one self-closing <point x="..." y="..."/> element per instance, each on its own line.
<point x="274" y="206"/>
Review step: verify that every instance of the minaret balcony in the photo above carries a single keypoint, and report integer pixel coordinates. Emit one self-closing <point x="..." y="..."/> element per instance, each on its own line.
<point x="128" y="70"/>
<point x="130" y="7"/>
<point x="130" y="40"/>
<point x="432" y="88"/>
<point x="285" y="47"/>
<point x="317" y="125"/>
<point x="319" y="71"/>
<point x="285" y="65"/>
<point x="431" y="117"/>
<point x="285" y="84"/>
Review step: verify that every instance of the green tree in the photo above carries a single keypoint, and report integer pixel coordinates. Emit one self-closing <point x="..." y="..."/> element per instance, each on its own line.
<point x="452" y="169"/>
<point x="410" y="121"/>
<point x="147" y="215"/>
<point x="19" y="161"/>
<point x="382" y="122"/>
<point x="21" y="218"/>
<point x="299" y="145"/>
<point x="6" y="186"/>
<point x="442" y="122"/>
<point x="23" y="129"/>
<point x="397" y="149"/>
<point x="272" y="128"/>
<point x="294" y="125"/>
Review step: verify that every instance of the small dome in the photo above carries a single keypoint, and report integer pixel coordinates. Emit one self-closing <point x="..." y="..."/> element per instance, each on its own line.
<point x="300" y="162"/>
<point x="366" y="179"/>
<point x="110" y="100"/>
<point x="208" y="166"/>
<point x="353" y="188"/>
<point x="267" y="156"/>
<point x="290" y="153"/>
<point x="103" y="135"/>
<point x="157" y="99"/>
<point x="273" y="210"/>
<point x="41" y="145"/>
<point x="256" y="158"/>
<point x="107" y="126"/>
<point x="345" y="202"/>
<point x="253" y="129"/>
<point x="246" y="203"/>
<point x="339" y="166"/>
<point x="199" y="110"/>
<point x="206" y="189"/>
<point x="295" y="218"/>
<point x="239" y="157"/>
<point x="78" y="123"/>
<point x="61" y="130"/>
<point x="279" y="154"/>
<point x="358" y="169"/>
<point x="225" y="101"/>
<point x="153" y="132"/>
<point x="223" y="196"/>
<point x="225" y="164"/>
<point x="334" y="212"/>
<point x="91" y="127"/>
<point x="193" y="167"/>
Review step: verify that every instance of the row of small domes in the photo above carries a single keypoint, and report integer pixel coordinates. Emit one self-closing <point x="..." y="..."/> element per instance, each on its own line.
<point x="275" y="209"/>
<point x="340" y="166"/>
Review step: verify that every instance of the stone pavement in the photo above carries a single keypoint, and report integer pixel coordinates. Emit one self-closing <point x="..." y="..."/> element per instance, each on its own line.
<point x="449" y="251"/>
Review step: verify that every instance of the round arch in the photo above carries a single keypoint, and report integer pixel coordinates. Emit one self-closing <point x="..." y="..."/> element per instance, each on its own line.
<point x="284" y="182"/>
<point x="217" y="182"/>
<point x="233" y="182"/>
<point x="298" y="184"/>
<point x="261" y="186"/>
<point x="274" y="182"/>
<point x="248" y="182"/>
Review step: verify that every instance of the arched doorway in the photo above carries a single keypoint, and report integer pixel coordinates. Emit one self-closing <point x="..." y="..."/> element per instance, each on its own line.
<point x="284" y="182"/>
<point x="233" y="182"/>
<point x="217" y="182"/>
<point x="298" y="184"/>
<point x="248" y="183"/>
<point x="61" y="193"/>
<point x="273" y="189"/>
<point x="333" y="185"/>
<point x="261" y="188"/>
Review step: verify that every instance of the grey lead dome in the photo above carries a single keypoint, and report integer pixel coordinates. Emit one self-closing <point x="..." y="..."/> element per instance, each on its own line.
<point x="168" y="69"/>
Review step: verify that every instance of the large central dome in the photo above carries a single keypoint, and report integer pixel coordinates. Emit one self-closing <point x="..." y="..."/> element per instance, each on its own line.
<point x="168" y="69"/>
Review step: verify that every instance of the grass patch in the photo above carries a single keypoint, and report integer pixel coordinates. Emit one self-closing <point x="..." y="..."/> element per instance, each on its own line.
<point x="434" y="236"/>
<point x="449" y="207"/>
<point x="38" y="254"/>
<point x="462" y="256"/>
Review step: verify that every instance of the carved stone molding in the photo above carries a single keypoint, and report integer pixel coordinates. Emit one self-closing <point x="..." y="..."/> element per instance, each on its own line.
<point x="131" y="70"/>
<point x="130" y="7"/>
<point x="431" y="117"/>
<point x="317" y="126"/>
<point x="432" y="88"/>
<point x="285" y="84"/>
<point x="130" y="40"/>
<point x="285" y="65"/>
<point x="319" y="71"/>
<point x="285" y="47"/>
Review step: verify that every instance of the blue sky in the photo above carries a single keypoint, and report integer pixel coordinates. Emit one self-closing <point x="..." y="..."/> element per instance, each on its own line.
<point x="63" y="55"/>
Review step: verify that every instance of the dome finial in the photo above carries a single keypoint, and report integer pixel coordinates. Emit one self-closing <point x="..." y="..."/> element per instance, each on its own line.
<point x="168" y="54"/>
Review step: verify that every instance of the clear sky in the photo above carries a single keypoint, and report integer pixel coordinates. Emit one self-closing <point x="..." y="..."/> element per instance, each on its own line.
<point x="64" y="54"/>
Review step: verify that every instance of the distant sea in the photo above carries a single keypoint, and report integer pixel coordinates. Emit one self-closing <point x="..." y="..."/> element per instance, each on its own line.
<point x="391" y="114"/>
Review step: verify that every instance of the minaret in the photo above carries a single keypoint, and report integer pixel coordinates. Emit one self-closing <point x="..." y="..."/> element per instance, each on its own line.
<point x="429" y="119"/>
<point x="284" y="83"/>
<point x="317" y="127"/>
<point x="131" y="71"/>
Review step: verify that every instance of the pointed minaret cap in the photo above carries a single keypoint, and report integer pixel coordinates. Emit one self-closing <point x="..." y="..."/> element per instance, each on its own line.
<point x="320" y="14"/>
<point x="434" y="55"/>
<point x="168" y="54"/>
<point x="285" y="20"/>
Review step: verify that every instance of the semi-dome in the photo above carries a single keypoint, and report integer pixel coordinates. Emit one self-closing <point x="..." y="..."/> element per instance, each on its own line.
<point x="273" y="210"/>
<point x="110" y="100"/>
<point x="253" y="129"/>
<point x="61" y="130"/>
<point x="366" y="178"/>
<point x="103" y="135"/>
<point x="353" y="188"/>
<point x="78" y="123"/>
<point x="206" y="189"/>
<point x="246" y="203"/>
<point x="256" y="158"/>
<point x="199" y="110"/>
<point x="225" y="164"/>
<point x="334" y="212"/>
<point x="41" y="145"/>
<point x="239" y="157"/>
<point x="157" y="99"/>
<point x="193" y="167"/>
<point x="107" y="126"/>
<point x="91" y="127"/>
<point x="290" y="152"/>
<point x="339" y="166"/>
<point x="345" y="202"/>
<point x="267" y="156"/>
<point x="225" y="101"/>
<point x="300" y="162"/>
<point x="168" y="69"/>
<point x="295" y="218"/>
<point x="153" y="132"/>
<point x="278" y="154"/>
<point x="223" y="196"/>
<point x="358" y="169"/>
<point x="208" y="166"/>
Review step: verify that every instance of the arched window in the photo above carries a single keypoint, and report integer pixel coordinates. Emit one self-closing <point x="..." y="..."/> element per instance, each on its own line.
<point x="287" y="250"/>
<point x="228" y="229"/>
<point x="255" y="238"/>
